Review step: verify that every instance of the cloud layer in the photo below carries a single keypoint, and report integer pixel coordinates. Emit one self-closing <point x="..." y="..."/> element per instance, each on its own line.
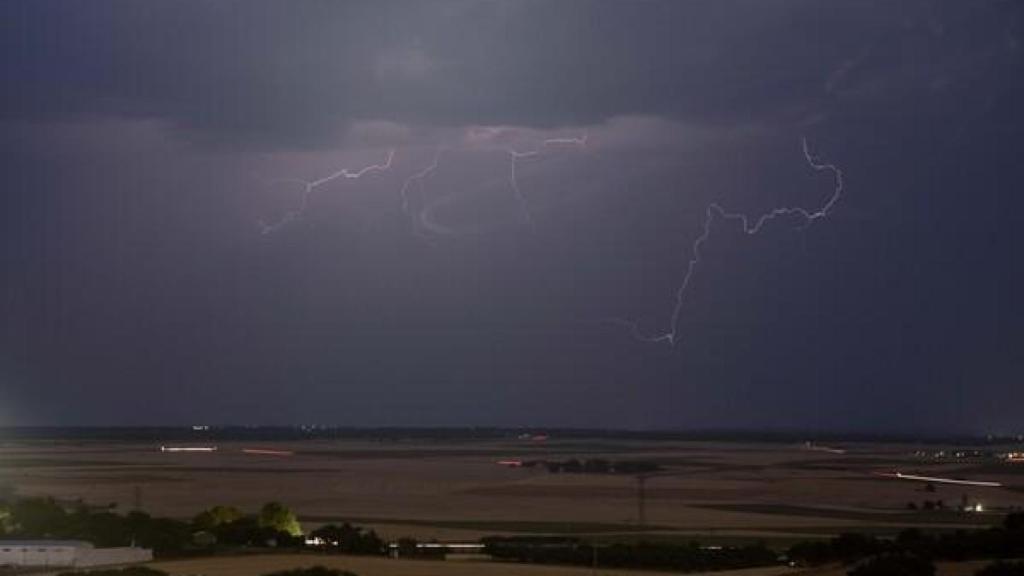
<point x="143" y="143"/>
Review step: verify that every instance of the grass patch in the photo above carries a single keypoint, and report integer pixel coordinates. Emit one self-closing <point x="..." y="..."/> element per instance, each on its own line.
<point x="22" y="463"/>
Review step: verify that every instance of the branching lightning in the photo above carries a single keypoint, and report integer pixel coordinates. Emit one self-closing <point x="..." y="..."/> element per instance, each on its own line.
<point x="516" y="156"/>
<point x="714" y="210"/>
<point x="309" y="186"/>
<point x="416" y="179"/>
<point x="422" y="220"/>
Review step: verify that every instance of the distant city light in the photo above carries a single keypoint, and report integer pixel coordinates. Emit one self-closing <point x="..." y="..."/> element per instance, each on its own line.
<point x="188" y="448"/>
<point x="817" y="448"/>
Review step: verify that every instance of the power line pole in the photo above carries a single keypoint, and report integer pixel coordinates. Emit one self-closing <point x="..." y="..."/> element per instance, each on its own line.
<point x="641" y="500"/>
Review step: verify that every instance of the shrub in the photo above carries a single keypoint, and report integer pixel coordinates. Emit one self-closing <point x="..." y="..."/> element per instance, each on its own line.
<point x="312" y="571"/>
<point x="894" y="565"/>
<point x="1002" y="569"/>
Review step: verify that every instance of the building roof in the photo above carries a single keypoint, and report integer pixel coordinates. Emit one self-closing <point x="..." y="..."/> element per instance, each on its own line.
<point x="47" y="543"/>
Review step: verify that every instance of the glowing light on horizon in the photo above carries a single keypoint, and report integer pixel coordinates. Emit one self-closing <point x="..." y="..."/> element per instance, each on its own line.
<point x="819" y="448"/>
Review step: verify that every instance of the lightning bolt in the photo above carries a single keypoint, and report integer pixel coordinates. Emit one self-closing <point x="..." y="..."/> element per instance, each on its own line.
<point x="309" y="186"/>
<point x="715" y="211"/>
<point x="416" y="179"/>
<point x="423" y="221"/>
<point x="515" y="156"/>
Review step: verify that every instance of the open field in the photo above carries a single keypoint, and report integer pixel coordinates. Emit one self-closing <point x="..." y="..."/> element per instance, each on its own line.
<point x="261" y="564"/>
<point x="256" y="565"/>
<point x="454" y="489"/>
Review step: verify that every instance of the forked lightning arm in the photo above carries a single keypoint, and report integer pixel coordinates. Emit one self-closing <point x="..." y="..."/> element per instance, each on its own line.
<point x="308" y="186"/>
<point x="671" y="336"/>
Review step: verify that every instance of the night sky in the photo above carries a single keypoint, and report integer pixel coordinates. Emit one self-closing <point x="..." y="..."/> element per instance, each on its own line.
<point x="162" y="264"/>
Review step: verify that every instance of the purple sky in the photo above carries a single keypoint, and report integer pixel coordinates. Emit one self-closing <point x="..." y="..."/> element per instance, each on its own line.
<point x="176" y="250"/>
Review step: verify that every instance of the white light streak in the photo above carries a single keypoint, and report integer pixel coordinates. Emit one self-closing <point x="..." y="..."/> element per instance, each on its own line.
<point x="937" y="480"/>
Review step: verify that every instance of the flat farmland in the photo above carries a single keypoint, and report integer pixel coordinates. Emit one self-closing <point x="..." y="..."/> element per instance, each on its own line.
<point x="250" y="565"/>
<point x="456" y="489"/>
<point x="261" y="564"/>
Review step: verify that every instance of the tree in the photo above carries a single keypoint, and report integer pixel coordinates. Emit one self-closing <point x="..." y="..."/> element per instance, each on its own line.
<point x="242" y="532"/>
<point x="311" y="571"/>
<point x="1002" y="569"/>
<point x="894" y="565"/>
<point x="407" y="547"/>
<point x="280" y="518"/>
<point x="349" y="539"/>
<point x="851" y="546"/>
<point x="216" y="516"/>
<point x="38" y="517"/>
<point x="1014" y="522"/>
<point x="6" y="521"/>
<point x="812" y="552"/>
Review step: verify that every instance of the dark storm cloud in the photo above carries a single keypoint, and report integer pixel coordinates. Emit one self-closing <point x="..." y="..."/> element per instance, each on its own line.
<point x="138" y="289"/>
<point x="279" y="74"/>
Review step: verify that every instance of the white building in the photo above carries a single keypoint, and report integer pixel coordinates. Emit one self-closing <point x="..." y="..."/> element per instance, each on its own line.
<point x="67" y="554"/>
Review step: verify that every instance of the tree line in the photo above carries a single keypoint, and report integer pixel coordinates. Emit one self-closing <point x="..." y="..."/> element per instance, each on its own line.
<point x="688" y="557"/>
<point x="914" y="552"/>
<point x="594" y="466"/>
<point x="273" y="525"/>
<point x="147" y="571"/>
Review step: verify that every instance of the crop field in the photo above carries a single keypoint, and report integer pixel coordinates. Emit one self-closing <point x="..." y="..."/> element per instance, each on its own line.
<point x="261" y="564"/>
<point x="254" y="565"/>
<point x="258" y="564"/>
<point x="456" y="489"/>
